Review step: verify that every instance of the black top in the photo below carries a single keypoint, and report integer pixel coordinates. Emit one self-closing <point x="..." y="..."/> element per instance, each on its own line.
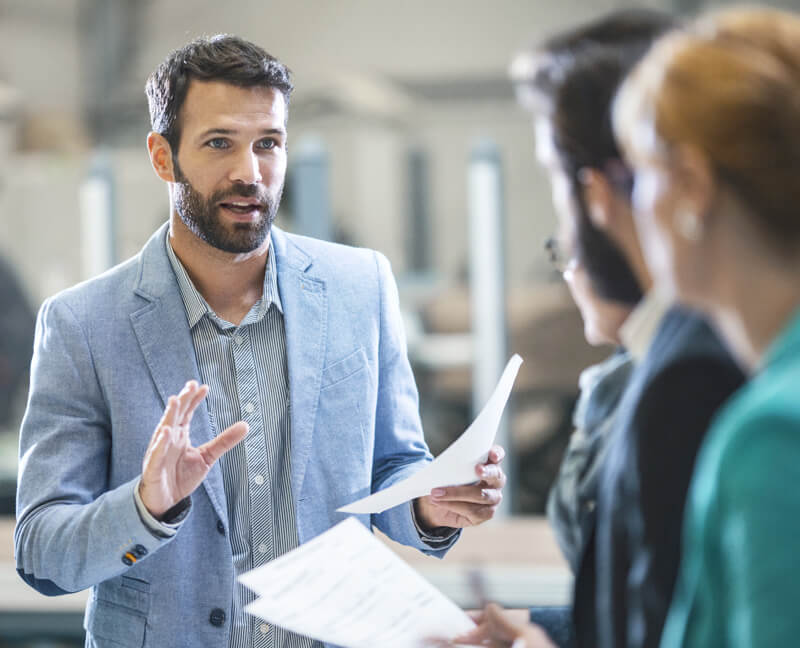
<point x="627" y="573"/>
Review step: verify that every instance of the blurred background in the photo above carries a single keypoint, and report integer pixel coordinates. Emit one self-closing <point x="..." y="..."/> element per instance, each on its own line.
<point x="404" y="136"/>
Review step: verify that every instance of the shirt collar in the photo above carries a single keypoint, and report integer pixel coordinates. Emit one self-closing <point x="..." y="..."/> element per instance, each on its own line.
<point x="196" y="305"/>
<point x="639" y="329"/>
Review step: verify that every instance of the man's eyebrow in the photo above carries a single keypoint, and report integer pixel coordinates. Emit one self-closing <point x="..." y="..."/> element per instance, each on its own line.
<point x="217" y="131"/>
<point x="230" y="131"/>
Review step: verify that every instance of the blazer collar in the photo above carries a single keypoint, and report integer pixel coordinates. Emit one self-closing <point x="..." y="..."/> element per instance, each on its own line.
<point x="305" y="301"/>
<point x="162" y="330"/>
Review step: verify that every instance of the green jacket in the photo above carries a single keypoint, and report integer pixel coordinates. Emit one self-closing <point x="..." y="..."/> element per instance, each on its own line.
<point x="740" y="577"/>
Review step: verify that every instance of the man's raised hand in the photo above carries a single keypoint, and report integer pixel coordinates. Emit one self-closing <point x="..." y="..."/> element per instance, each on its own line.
<point x="172" y="468"/>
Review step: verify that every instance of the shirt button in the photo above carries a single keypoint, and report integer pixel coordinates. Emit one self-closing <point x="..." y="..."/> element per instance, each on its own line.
<point x="259" y="479"/>
<point x="139" y="551"/>
<point x="263" y="628"/>
<point x="217" y="617"/>
<point x="220" y="527"/>
<point x="249" y="408"/>
<point x="238" y="339"/>
<point x="590" y="505"/>
<point x="262" y="548"/>
<point x="127" y="560"/>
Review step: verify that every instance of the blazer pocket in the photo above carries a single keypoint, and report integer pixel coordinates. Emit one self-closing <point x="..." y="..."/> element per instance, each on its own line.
<point x="115" y="625"/>
<point x="126" y="592"/>
<point x="344" y="368"/>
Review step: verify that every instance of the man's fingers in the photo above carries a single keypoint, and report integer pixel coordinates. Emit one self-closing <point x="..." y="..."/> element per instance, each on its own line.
<point x="170" y="413"/>
<point x="469" y="494"/>
<point x="467" y="513"/>
<point x="496" y="454"/>
<point x="185" y="397"/>
<point x="492" y="475"/>
<point x="223" y="442"/>
<point x="156" y="453"/>
<point x="200" y="393"/>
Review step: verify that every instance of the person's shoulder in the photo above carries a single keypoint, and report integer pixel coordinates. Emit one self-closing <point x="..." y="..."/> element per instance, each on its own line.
<point x="686" y="344"/>
<point x="99" y="293"/>
<point x="767" y="405"/>
<point x="685" y="377"/>
<point x="755" y="442"/>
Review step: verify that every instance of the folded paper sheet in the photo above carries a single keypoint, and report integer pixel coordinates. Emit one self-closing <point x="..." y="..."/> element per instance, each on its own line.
<point x="347" y="588"/>
<point x="456" y="465"/>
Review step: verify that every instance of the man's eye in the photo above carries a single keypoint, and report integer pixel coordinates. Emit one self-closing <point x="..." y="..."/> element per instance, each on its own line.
<point x="217" y="143"/>
<point x="267" y="144"/>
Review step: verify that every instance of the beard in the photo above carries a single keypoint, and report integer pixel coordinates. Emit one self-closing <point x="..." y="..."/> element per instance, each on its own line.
<point x="201" y="215"/>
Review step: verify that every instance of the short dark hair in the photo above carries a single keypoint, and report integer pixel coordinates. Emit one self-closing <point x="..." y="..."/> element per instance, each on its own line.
<point x="213" y="58"/>
<point x="571" y="79"/>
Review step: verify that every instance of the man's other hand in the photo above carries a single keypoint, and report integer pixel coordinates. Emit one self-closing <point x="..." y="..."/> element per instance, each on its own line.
<point x="172" y="467"/>
<point x="462" y="506"/>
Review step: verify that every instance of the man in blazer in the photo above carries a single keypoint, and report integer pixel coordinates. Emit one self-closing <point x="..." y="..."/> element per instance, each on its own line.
<point x="308" y="398"/>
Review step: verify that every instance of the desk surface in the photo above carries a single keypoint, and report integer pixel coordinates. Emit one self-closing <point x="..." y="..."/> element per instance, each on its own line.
<point x="518" y="556"/>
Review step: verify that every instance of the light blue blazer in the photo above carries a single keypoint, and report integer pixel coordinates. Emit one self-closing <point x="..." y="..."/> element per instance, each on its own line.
<point x="108" y="354"/>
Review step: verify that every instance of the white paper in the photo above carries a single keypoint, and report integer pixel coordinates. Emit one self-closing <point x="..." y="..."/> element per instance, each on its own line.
<point x="456" y="465"/>
<point x="347" y="588"/>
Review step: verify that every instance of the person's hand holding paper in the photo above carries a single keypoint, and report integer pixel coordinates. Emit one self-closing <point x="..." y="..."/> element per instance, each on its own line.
<point x="445" y="492"/>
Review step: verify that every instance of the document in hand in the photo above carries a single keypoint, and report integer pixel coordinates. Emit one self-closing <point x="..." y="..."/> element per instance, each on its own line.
<point x="456" y="465"/>
<point x="347" y="588"/>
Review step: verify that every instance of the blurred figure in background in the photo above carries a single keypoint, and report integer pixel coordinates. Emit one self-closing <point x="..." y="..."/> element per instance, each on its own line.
<point x="711" y="123"/>
<point x="16" y="343"/>
<point x="17" y="322"/>
<point x="626" y="548"/>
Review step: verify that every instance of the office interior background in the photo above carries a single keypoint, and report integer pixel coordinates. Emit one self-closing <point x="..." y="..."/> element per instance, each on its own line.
<point x="404" y="136"/>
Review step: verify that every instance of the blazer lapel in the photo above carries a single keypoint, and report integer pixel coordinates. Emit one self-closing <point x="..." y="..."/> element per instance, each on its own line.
<point x="163" y="333"/>
<point x="305" y="309"/>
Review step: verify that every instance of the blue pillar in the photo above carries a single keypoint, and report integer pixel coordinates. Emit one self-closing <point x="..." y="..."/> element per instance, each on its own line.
<point x="98" y="218"/>
<point x="487" y="289"/>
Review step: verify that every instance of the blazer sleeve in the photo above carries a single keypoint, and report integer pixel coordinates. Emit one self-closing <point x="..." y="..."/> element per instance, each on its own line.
<point x="400" y="448"/>
<point x="671" y="420"/>
<point x="71" y="532"/>
<point x="758" y="531"/>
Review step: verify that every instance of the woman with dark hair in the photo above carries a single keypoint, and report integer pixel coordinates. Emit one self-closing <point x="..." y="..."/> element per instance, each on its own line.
<point x="711" y="123"/>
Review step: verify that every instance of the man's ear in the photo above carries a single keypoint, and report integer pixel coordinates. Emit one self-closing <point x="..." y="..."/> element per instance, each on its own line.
<point x="598" y="196"/>
<point x="160" y="156"/>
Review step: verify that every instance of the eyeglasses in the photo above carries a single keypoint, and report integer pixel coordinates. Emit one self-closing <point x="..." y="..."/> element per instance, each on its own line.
<point x="555" y="255"/>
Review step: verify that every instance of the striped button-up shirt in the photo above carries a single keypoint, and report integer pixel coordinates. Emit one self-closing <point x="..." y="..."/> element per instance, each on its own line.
<point x="245" y="368"/>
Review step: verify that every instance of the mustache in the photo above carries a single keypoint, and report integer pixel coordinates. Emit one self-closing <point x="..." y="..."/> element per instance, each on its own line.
<point x="241" y="191"/>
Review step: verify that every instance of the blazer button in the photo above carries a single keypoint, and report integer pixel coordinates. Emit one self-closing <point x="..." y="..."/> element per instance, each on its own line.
<point x="217" y="617"/>
<point x="140" y="551"/>
<point x="220" y="527"/>
<point x="127" y="560"/>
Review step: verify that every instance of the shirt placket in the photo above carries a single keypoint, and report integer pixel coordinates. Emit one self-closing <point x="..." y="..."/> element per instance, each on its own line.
<point x="258" y="477"/>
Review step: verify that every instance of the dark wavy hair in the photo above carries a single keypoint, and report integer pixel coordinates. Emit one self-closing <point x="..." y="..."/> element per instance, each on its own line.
<point x="215" y="58"/>
<point x="571" y="79"/>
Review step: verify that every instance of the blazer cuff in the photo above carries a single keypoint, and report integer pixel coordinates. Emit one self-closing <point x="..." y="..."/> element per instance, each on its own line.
<point x="435" y="538"/>
<point x="173" y="518"/>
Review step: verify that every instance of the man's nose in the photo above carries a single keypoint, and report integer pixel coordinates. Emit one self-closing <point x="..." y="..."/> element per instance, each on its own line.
<point x="246" y="169"/>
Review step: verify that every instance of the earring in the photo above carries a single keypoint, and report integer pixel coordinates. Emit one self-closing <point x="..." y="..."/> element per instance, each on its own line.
<point x="689" y="224"/>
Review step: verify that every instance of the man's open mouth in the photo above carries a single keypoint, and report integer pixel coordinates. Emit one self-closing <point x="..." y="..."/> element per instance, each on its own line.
<point x="242" y="206"/>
